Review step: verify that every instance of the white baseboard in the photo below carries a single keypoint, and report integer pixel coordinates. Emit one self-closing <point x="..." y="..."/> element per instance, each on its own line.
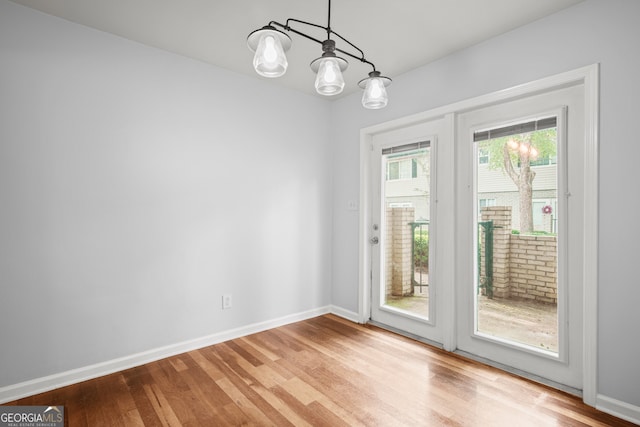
<point x="617" y="408"/>
<point x="41" y="385"/>
<point x="346" y="314"/>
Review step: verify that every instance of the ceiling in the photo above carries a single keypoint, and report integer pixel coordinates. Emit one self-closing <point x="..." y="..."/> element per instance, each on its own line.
<point x="396" y="36"/>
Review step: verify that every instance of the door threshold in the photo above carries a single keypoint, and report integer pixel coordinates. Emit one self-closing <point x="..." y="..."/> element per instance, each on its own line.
<point x="405" y="334"/>
<point x="520" y="373"/>
<point x="535" y="378"/>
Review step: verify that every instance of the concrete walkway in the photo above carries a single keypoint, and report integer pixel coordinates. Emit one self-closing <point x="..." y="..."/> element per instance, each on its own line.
<point x="530" y="323"/>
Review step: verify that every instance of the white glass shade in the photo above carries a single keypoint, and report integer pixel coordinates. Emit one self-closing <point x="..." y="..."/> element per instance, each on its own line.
<point x="375" y="94"/>
<point x="329" y="80"/>
<point x="270" y="60"/>
<point x="375" y="90"/>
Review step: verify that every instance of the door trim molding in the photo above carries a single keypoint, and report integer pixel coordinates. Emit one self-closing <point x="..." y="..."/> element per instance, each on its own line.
<point x="589" y="77"/>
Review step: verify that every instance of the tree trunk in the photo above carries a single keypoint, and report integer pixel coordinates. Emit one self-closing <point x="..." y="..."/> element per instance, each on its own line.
<point x="524" y="182"/>
<point x="525" y="190"/>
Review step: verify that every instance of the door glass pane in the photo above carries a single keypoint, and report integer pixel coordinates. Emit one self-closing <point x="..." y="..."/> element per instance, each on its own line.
<point x="406" y="195"/>
<point x="516" y="271"/>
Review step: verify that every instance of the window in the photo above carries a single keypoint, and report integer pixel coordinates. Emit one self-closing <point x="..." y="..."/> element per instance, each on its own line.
<point x="544" y="161"/>
<point x="393" y="170"/>
<point x="523" y="265"/>
<point x="402" y="169"/>
<point x="483" y="156"/>
<point x="484" y="203"/>
<point x="401" y="205"/>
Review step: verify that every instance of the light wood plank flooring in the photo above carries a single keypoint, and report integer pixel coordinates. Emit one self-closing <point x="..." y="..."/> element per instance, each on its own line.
<point x="324" y="371"/>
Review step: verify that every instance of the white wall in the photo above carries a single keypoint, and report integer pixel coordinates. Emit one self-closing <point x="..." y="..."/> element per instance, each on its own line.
<point x="596" y="31"/>
<point x="138" y="186"/>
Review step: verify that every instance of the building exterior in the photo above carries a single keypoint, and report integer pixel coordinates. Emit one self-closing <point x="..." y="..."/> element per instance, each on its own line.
<point x="495" y="188"/>
<point x="407" y="181"/>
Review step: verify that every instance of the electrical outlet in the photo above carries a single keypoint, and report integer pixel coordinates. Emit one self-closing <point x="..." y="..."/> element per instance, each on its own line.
<point x="226" y="301"/>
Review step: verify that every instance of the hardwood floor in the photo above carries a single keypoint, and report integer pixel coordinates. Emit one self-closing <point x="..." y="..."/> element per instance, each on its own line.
<point x="324" y="371"/>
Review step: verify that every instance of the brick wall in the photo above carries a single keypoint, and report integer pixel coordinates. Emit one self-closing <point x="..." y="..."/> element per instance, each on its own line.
<point x="398" y="245"/>
<point x="524" y="267"/>
<point x="501" y="217"/>
<point x="534" y="267"/>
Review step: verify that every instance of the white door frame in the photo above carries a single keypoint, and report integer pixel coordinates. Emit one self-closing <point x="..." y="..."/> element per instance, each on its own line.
<point x="589" y="77"/>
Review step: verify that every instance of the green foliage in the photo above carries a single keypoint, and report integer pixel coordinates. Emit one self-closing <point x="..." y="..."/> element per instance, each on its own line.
<point x="421" y="232"/>
<point x="544" y="141"/>
<point x="421" y="250"/>
<point x="534" y="233"/>
<point x="540" y="233"/>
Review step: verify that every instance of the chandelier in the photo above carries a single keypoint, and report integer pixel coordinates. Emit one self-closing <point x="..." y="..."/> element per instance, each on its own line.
<point x="270" y="45"/>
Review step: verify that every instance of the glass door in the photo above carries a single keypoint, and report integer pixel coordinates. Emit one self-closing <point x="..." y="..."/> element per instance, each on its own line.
<point x="516" y="271"/>
<point x="516" y="303"/>
<point x="403" y="233"/>
<point x="493" y="250"/>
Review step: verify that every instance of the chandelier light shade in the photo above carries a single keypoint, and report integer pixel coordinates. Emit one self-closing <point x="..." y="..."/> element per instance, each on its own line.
<point x="270" y="44"/>
<point x="328" y="69"/>
<point x="375" y="90"/>
<point x="329" y="80"/>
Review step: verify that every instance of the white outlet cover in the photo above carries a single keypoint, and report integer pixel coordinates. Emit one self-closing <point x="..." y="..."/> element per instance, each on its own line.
<point x="226" y="301"/>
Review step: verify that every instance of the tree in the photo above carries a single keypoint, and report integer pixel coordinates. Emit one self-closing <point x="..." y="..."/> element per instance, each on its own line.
<point x="423" y="164"/>
<point x="513" y="155"/>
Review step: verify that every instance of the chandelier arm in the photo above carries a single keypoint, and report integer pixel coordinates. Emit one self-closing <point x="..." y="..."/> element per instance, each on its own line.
<point x="306" y="23"/>
<point x="359" y="58"/>
<point x="287" y="27"/>
<point x="300" y="33"/>
<point x="350" y="44"/>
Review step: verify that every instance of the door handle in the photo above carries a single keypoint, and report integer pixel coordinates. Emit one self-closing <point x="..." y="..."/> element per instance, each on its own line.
<point x="374" y="240"/>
